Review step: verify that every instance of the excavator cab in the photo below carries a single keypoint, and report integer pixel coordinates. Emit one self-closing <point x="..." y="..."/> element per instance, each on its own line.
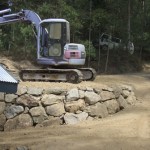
<point x="54" y="47"/>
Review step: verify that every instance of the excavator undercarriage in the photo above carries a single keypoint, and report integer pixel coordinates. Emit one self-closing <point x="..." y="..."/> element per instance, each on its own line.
<point x="60" y="75"/>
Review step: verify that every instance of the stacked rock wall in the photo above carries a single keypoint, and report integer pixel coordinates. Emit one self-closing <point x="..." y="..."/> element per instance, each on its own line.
<point x="32" y="106"/>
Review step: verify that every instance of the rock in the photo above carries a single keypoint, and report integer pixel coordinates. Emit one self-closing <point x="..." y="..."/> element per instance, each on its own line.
<point x="89" y="89"/>
<point x="71" y="118"/>
<point x="98" y="110"/>
<point x="109" y="89"/>
<point x="2" y="107"/>
<point x="19" y="122"/>
<point x="107" y="95"/>
<point x="51" y="99"/>
<point x="28" y="100"/>
<point x="13" y="111"/>
<point x="125" y="93"/>
<point x="73" y="95"/>
<point x="2" y="122"/>
<point x="38" y="114"/>
<point x="97" y="91"/>
<point x="24" y="120"/>
<point x="2" y="96"/>
<point x="52" y="121"/>
<point x="74" y="106"/>
<point x="56" y="91"/>
<point x="112" y="106"/>
<point x="55" y="109"/>
<point x="127" y="87"/>
<point x="11" y="124"/>
<point x="21" y="90"/>
<point x="131" y="99"/>
<point x="81" y="94"/>
<point x="35" y="91"/>
<point x="117" y="91"/>
<point x="92" y="98"/>
<point x="122" y="102"/>
<point x="10" y="98"/>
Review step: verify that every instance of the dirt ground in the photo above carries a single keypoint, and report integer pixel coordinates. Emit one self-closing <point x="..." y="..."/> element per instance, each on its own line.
<point x="126" y="130"/>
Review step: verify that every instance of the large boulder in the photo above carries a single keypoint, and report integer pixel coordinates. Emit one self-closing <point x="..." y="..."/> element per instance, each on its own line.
<point x="35" y="91"/>
<point x="12" y="111"/>
<point x="71" y="118"/>
<point x="73" y="95"/>
<point x="122" y="102"/>
<point x="19" y="122"/>
<point x="21" y="90"/>
<point x="52" y="121"/>
<point x="91" y="97"/>
<point x="74" y="106"/>
<point x="117" y="90"/>
<point x="106" y="95"/>
<point x="2" y="96"/>
<point x="10" y="98"/>
<point x="55" y="90"/>
<point x="2" y="122"/>
<point x="112" y="106"/>
<point x="51" y="99"/>
<point x="131" y="99"/>
<point x="98" y="110"/>
<point x="38" y="114"/>
<point x="55" y="109"/>
<point x="28" y="100"/>
<point x="2" y="107"/>
<point x="125" y="93"/>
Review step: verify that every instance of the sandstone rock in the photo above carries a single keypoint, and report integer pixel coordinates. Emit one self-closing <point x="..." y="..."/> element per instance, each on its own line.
<point x="81" y="94"/>
<point x="71" y="118"/>
<point x="125" y="93"/>
<point x="92" y="98"/>
<point x="107" y="95"/>
<point x="9" y="98"/>
<point x="28" y="100"/>
<point x="73" y="95"/>
<point x="2" y="122"/>
<point x="19" y="122"/>
<point x="35" y="91"/>
<point x="131" y="99"/>
<point x="97" y="91"/>
<point x="52" y="121"/>
<point x="117" y="91"/>
<point x="21" y="90"/>
<point x="74" y="106"/>
<point x="112" y="106"/>
<point x="38" y="114"/>
<point x="2" y="96"/>
<point x="98" y="110"/>
<point x="55" y="109"/>
<point x="106" y="88"/>
<point x="2" y="107"/>
<point x="51" y="99"/>
<point x="127" y="87"/>
<point x="122" y="102"/>
<point x="56" y="91"/>
<point x="89" y="89"/>
<point x="13" y="111"/>
<point x="24" y="120"/>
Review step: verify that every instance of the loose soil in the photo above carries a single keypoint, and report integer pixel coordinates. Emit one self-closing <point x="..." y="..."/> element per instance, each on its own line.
<point x="126" y="130"/>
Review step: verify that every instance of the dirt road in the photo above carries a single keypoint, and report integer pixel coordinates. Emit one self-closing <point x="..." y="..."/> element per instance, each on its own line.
<point x="126" y="130"/>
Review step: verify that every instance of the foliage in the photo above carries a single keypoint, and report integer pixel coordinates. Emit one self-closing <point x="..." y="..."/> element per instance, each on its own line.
<point x="88" y="19"/>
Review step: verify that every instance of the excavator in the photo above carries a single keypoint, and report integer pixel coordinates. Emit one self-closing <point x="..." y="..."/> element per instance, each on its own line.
<point x="54" y="50"/>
